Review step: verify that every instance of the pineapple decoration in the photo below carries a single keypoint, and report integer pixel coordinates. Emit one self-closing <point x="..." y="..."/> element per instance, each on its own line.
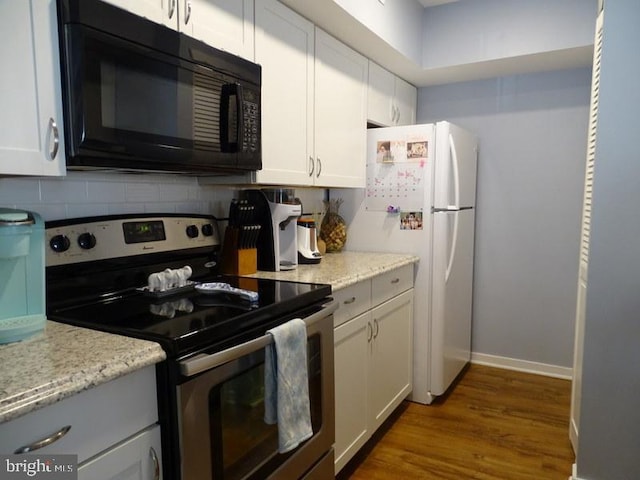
<point x="333" y="229"/>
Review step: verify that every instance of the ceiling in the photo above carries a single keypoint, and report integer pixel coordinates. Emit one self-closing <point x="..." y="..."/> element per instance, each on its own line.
<point x="433" y="3"/>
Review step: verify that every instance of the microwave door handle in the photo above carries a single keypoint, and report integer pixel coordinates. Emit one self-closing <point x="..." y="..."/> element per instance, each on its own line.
<point x="231" y="145"/>
<point x="201" y="363"/>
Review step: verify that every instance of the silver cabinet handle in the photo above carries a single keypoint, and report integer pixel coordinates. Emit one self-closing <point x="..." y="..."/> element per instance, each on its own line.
<point x="369" y="332"/>
<point x="319" y="167"/>
<point x="187" y="12"/>
<point x="312" y="166"/>
<point x="45" y="441"/>
<point x="375" y="322"/>
<point x="395" y="280"/>
<point x="201" y="363"/>
<point x="53" y="128"/>
<point x="172" y="8"/>
<point x="156" y="463"/>
<point x="349" y="301"/>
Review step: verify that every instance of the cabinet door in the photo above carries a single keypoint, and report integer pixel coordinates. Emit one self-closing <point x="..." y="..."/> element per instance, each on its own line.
<point x="405" y="100"/>
<point x="223" y="24"/>
<point x="164" y="12"/>
<point x="352" y="352"/>
<point x="380" y="93"/>
<point x="340" y="113"/>
<point x="284" y="49"/>
<point x="137" y="458"/>
<point x="392" y="357"/>
<point x="31" y="136"/>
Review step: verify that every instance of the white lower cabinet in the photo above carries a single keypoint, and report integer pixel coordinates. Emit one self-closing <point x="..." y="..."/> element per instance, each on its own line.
<point x="137" y="458"/>
<point x="112" y="428"/>
<point x="373" y="357"/>
<point x="351" y="387"/>
<point x="391" y="356"/>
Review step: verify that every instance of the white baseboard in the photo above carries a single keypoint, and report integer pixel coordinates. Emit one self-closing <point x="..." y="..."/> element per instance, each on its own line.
<point x="545" y="369"/>
<point x="574" y="476"/>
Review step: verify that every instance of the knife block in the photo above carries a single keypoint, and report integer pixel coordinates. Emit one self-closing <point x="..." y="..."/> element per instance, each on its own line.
<point x="235" y="260"/>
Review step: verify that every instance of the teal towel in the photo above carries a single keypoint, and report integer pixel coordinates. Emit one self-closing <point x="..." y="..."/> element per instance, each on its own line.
<point x="286" y="385"/>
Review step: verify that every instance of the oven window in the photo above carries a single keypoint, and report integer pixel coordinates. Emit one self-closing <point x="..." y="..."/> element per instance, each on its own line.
<point x="243" y="446"/>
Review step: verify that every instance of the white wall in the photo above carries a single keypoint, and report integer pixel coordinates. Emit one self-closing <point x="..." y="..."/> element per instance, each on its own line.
<point x="397" y="22"/>
<point x="609" y="428"/>
<point x="532" y="131"/>
<point x="472" y="31"/>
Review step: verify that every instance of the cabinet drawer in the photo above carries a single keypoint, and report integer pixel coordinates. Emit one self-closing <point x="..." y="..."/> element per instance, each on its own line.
<point x="352" y="301"/>
<point x="99" y="417"/>
<point x="390" y="284"/>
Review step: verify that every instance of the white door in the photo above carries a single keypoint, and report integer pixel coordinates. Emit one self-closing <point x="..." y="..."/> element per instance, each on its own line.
<point x="453" y="240"/>
<point x="164" y="12"/>
<point x="31" y="135"/>
<point x="285" y="49"/>
<point x="340" y="114"/>
<point x="137" y="458"/>
<point x="223" y="24"/>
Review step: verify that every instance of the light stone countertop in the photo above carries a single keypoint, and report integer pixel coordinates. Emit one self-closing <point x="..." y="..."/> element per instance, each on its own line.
<point x="64" y="360"/>
<point x="343" y="269"/>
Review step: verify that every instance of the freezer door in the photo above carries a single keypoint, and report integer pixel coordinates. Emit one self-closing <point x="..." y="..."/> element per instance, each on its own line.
<point x="453" y="240"/>
<point x="456" y="165"/>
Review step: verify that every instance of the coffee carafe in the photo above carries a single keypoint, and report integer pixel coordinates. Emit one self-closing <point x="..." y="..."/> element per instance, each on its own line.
<point x="277" y="211"/>
<point x="22" y="285"/>
<point x="307" y="241"/>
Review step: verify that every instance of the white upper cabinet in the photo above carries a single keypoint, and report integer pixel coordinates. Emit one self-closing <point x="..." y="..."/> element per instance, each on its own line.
<point x="313" y="103"/>
<point x="164" y="12"/>
<point x="340" y="114"/>
<point x="223" y="24"/>
<point x="285" y="50"/>
<point x="391" y="100"/>
<point x="31" y="135"/>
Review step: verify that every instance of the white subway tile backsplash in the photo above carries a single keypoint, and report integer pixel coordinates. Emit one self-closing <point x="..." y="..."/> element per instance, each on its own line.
<point x="58" y="190"/>
<point x="105" y="192"/>
<point x="86" y="210"/>
<point x="141" y="192"/>
<point x="14" y="191"/>
<point x="82" y="194"/>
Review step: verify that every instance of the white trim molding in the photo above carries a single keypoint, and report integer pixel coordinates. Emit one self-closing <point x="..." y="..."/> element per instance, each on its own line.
<point x="527" y="366"/>
<point x="574" y="475"/>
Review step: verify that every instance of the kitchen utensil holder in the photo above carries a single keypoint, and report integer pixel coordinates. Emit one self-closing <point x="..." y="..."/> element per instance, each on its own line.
<point x="235" y="260"/>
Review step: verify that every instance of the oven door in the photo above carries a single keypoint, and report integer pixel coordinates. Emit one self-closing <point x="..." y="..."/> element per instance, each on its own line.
<point x="221" y="411"/>
<point x="135" y="106"/>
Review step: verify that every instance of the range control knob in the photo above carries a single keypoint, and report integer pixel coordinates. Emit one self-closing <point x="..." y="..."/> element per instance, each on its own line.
<point x="87" y="241"/>
<point x="59" y="243"/>
<point x="207" y="229"/>
<point x="192" y="231"/>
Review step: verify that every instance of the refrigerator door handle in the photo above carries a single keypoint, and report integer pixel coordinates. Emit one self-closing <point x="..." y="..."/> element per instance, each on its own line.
<point x="454" y="246"/>
<point x="450" y="208"/>
<point x="456" y="172"/>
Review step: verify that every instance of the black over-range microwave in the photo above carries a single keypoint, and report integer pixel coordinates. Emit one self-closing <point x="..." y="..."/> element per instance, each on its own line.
<point x="140" y="96"/>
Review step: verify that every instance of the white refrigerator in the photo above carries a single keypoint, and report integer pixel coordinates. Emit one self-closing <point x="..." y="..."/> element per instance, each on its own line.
<point x="420" y="199"/>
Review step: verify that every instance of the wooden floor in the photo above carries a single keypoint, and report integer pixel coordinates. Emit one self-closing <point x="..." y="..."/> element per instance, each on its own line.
<point x="495" y="424"/>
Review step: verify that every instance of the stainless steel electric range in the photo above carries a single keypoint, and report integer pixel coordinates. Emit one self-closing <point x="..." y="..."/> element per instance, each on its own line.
<point x="213" y="330"/>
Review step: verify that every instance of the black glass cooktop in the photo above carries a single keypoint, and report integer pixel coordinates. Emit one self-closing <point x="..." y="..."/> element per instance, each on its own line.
<point x="191" y="320"/>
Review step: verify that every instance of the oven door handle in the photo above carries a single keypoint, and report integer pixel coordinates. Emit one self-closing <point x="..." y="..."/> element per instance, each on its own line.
<point x="201" y="363"/>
